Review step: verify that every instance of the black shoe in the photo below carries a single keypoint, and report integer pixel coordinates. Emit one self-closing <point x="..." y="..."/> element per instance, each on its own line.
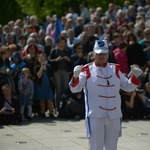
<point x="29" y="118"/>
<point x="51" y="116"/>
<point x="43" y="116"/>
<point x="14" y="123"/>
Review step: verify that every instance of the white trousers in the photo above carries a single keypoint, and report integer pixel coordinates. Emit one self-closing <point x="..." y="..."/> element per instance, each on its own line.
<point x="104" y="133"/>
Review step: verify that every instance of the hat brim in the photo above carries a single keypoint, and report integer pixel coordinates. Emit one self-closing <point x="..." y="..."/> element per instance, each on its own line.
<point x="99" y="51"/>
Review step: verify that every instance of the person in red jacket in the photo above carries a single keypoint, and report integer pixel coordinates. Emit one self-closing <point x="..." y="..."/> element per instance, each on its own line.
<point x="30" y="46"/>
<point x="121" y="57"/>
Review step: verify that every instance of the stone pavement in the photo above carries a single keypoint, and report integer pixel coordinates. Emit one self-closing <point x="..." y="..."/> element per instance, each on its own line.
<point x="62" y="134"/>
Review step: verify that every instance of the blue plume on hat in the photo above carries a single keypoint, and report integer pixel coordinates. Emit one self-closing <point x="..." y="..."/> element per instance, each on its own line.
<point x="100" y="43"/>
<point x="101" y="46"/>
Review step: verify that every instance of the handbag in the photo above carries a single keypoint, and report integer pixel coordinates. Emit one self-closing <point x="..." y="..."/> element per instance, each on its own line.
<point x="74" y="106"/>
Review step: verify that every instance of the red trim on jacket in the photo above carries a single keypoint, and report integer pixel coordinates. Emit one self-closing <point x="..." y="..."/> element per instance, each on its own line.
<point x="74" y="81"/>
<point x="86" y="69"/>
<point x="135" y="80"/>
<point x="104" y="77"/>
<point x="109" y="109"/>
<point x="117" y="70"/>
<point x="107" y="96"/>
<point x="105" y="85"/>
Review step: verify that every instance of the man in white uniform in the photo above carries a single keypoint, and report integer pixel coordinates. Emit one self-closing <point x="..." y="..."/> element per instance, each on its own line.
<point x="102" y="82"/>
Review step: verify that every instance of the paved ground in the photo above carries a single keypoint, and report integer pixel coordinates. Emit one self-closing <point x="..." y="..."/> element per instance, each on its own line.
<point x="61" y="134"/>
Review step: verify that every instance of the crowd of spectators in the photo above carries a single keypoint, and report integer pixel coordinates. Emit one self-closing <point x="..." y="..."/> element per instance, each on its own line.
<point x="37" y="70"/>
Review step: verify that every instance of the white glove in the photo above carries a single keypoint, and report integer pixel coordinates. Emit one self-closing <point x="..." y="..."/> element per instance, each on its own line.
<point x="77" y="70"/>
<point x="136" y="71"/>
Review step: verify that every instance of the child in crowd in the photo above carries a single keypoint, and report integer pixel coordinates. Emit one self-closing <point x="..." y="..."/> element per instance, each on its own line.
<point x="43" y="89"/>
<point x="26" y="89"/>
<point x="16" y="66"/>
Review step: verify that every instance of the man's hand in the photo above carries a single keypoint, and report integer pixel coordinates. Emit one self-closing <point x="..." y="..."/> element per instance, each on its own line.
<point x="76" y="71"/>
<point x="136" y="71"/>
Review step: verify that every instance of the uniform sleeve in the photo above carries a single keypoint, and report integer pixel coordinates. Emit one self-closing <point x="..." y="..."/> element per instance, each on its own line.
<point x="78" y="84"/>
<point x="130" y="84"/>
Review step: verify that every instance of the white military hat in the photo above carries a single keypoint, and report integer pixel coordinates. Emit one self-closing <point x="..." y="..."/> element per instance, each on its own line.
<point x="100" y="46"/>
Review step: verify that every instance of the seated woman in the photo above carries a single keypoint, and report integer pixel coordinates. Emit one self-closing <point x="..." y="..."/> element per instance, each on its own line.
<point x="146" y="98"/>
<point x="73" y="106"/>
<point x="9" y="107"/>
<point x="132" y="104"/>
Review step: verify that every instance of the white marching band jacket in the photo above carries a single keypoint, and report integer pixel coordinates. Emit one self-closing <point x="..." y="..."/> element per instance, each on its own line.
<point x="101" y="88"/>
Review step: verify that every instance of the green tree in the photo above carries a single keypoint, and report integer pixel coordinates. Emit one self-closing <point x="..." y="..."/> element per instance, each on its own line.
<point x="9" y="10"/>
<point x="41" y="8"/>
<point x="13" y="9"/>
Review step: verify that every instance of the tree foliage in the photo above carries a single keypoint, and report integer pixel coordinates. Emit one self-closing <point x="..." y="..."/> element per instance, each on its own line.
<point x="41" y="8"/>
<point x="9" y="10"/>
<point x="13" y="9"/>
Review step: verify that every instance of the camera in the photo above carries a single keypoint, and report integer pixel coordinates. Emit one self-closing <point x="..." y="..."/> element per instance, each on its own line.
<point x="44" y="63"/>
<point x="139" y="90"/>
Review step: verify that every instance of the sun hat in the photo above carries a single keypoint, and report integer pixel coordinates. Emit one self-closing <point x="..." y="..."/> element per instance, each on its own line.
<point x="100" y="46"/>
